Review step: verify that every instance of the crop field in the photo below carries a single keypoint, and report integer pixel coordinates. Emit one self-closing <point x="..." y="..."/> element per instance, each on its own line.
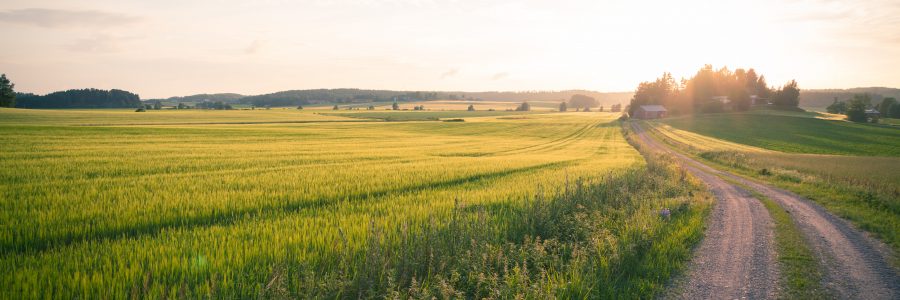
<point x="427" y="115"/>
<point x="863" y="185"/>
<point x="461" y="105"/>
<point x="267" y="203"/>
<point x="795" y="134"/>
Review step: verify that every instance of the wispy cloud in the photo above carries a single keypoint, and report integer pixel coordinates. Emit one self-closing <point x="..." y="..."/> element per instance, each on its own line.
<point x="499" y="76"/>
<point x="58" y="18"/>
<point x="449" y="73"/>
<point x="254" y="47"/>
<point x="100" y="43"/>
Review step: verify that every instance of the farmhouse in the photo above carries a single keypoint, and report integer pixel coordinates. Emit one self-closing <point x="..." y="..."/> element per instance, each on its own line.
<point x="757" y="100"/>
<point x="872" y="114"/>
<point x="650" y="112"/>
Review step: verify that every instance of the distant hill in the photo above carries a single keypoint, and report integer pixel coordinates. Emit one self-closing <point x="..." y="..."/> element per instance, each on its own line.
<point x="229" y="98"/>
<point x="83" y="98"/>
<point x="824" y="97"/>
<point x="303" y="97"/>
<point x="602" y="98"/>
<point x="93" y="98"/>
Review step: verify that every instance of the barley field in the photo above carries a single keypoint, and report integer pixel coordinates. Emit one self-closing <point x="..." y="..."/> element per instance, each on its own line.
<point x="286" y="203"/>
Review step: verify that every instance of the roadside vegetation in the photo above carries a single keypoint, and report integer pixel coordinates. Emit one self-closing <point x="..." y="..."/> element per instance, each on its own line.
<point x="861" y="189"/>
<point x="552" y="205"/>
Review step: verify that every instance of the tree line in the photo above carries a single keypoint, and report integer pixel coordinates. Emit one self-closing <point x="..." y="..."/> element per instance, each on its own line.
<point x="856" y="108"/>
<point x="80" y="98"/>
<point x="711" y="90"/>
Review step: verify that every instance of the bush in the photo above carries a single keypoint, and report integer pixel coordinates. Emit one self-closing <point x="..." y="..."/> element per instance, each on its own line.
<point x="455" y="120"/>
<point x="140" y="110"/>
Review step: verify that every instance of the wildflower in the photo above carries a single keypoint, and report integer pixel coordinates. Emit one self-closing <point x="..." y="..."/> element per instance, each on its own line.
<point x="665" y="213"/>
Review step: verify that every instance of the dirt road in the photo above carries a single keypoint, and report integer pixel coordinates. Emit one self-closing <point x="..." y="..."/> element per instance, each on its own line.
<point x="855" y="265"/>
<point x="736" y="258"/>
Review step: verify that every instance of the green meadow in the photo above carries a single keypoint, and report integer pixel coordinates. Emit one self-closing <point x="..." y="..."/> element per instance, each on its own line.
<point x="795" y="133"/>
<point x="287" y="203"/>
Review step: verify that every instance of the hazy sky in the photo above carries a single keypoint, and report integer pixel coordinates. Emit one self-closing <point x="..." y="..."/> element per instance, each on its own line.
<point x="164" y="48"/>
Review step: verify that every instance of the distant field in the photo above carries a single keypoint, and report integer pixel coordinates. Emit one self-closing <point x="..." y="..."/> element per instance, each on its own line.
<point x="162" y="117"/>
<point x="424" y="115"/>
<point x="795" y="134"/>
<point x="327" y="209"/>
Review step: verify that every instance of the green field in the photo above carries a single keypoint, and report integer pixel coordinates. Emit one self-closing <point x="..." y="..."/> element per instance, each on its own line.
<point x="795" y="134"/>
<point x="286" y="203"/>
<point x="861" y="185"/>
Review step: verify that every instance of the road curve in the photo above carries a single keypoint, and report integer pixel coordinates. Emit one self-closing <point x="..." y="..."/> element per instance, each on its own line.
<point x="736" y="259"/>
<point x="856" y="266"/>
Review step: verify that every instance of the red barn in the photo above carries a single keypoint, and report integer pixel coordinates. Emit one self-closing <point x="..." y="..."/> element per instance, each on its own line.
<point x="650" y="112"/>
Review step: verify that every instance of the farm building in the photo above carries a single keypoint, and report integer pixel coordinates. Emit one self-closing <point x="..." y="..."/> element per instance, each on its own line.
<point x="650" y="112"/>
<point x="872" y="114"/>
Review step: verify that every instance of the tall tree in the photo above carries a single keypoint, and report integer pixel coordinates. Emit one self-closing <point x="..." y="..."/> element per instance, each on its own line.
<point x="788" y="96"/>
<point x="582" y="101"/>
<point x="7" y="93"/>
<point x="563" y="107"/>
<point x="885" y="106"/>
<point x="856" y="108"/>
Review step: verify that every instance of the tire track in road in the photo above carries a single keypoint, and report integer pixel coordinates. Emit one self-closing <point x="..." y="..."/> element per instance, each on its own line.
<point x="736" y="259"/>
<point x="856" y="266"/>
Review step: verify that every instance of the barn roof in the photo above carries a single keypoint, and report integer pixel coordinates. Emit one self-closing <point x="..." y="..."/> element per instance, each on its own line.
<point x="653" y="108"/>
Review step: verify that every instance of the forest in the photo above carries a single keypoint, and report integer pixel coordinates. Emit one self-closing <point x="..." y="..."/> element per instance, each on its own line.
<point x="80" y="98"/>
<point x="711" y="90"/>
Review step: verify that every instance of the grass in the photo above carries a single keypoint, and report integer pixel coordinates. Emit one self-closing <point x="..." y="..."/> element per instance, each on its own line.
<point x="862" y="189"/>
<point x="889" y="121"/>
<point x="195" y="205"/>
<point x="795" y="134"/>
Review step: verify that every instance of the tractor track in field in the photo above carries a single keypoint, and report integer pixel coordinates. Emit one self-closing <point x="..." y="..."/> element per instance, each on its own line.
<point x="855" y="265"/>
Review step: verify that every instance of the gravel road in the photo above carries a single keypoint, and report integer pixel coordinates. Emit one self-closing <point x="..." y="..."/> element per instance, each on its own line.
<point x="856" y="266"/>
<point x="736" y="259"/>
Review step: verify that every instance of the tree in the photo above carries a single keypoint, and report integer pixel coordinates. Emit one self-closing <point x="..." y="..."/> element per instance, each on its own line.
<point x="471" y="107"/>
<point x="395" y="106"/>
<point x="885" y="106"/>
<point x="895" y="111"/>
<point x="563" y="107"/>
<point x="7" y="92"/>
<point x="524" y="107"/>
<point x="856" y="108"/>
<point x="788" y="96"/>
<point x="838" y="107"/>
<point x="582" y="101"/>
<point x="300" y="107"/>
<point x="157" y="105"/>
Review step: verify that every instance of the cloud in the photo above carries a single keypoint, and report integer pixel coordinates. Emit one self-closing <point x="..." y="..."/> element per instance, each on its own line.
<point x="254" y="47"/>
<point x="56" y="18"/>
<point x="499" y="76"/>
<point x="450" y="73"/>
<point x="100" y="43"/>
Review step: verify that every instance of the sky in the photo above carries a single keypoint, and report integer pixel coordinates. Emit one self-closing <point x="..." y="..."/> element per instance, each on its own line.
<point x="168" y="48"/>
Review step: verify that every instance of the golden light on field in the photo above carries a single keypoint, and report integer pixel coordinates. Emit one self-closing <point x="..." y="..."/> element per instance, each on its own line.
<point x="160" y="50"/>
